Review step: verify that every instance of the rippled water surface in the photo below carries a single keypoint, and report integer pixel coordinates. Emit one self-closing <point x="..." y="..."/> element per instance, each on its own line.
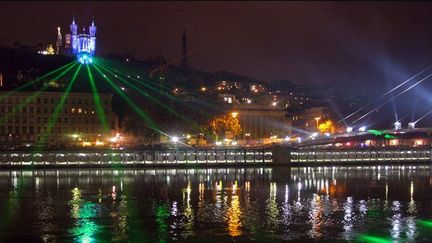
<point x="332" y="204"/>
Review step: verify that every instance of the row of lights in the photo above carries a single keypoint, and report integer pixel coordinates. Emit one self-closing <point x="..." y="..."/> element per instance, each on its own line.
<point x="397" y="126"/>
<point x="361" y="129"/>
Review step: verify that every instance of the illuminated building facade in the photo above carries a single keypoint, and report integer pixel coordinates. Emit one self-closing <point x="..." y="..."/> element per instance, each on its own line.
<point x="308" y="119"/>
<point x="83" y="45"/>
<point x="259" y="122"/>
<point x="77" y="122"/>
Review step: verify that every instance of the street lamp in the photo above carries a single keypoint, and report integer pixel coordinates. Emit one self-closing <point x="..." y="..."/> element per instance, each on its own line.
<point x="174" y="139"/>
<point x="317" y="119"/>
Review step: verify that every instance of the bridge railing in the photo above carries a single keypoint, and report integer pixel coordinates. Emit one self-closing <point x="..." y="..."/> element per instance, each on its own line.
<point x="146" y="157"/>
<point x="346" y="155"/>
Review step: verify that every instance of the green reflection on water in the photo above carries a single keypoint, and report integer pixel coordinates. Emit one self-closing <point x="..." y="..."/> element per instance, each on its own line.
<point x="162" y="214"/>
<point x="425" y="223"/>
<point x="373" y="239"/>
<point x="83" y="212"/>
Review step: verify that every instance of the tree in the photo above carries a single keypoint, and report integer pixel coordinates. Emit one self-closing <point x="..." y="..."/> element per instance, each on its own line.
<point x="226" y="123"/>
<point x="327" y="126"/>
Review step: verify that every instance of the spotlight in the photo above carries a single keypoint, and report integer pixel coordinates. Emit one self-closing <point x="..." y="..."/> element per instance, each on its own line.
<point x="349" y="129"/>
<point x="411" y="125"/>
<point x="174" y="139"/>
<point x="398" y="125"/>
<point x="362" y="129"/>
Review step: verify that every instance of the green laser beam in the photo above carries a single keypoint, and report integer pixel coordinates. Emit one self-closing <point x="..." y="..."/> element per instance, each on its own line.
<point x="167" y="94"/>
<point x="137" y="110"/>
<point x="374" y="239"/>
<point x="137" y="89"/>
<point x="99" y="109"/>
<point x="170" y="96"/>
<point x="53" y="118"/>
<point x="155" y="87"/>
<point x="4" y="96"/>
<point x="149" y="85"/>
<point x="29" y="99"/>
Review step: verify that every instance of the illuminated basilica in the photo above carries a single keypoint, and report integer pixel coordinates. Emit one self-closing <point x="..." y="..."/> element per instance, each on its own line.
<point x="82" y="45"/>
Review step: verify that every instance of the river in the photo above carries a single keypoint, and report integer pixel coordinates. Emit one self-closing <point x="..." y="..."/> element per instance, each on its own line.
<point x="269" y="204"/>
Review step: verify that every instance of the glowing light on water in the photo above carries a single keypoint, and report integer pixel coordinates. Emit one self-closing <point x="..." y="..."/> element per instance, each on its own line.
<point x="374" y="239"/>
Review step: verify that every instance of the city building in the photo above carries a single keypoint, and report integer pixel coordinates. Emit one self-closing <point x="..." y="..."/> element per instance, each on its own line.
<point x="25" y="119"/>
<point x="261" y="122"/>
<point x="309" y="119"/>
<point x="228" y="98"/>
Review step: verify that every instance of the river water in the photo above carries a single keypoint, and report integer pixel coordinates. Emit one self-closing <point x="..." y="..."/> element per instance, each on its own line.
<point x="302" y="204"/>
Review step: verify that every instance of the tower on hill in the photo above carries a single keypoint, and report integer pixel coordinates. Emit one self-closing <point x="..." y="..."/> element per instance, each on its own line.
<point x="184" y="59"/>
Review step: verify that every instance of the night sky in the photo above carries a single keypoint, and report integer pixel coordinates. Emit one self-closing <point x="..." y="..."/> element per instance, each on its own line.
<point x="368" y="46"/>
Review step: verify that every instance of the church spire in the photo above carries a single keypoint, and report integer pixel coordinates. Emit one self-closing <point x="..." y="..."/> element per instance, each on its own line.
<point x="59" y="40"/>
<point x="184" y="58"/>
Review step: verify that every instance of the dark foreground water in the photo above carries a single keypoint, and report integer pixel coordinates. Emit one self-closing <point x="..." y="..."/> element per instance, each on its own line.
<point x="332" y="204"/>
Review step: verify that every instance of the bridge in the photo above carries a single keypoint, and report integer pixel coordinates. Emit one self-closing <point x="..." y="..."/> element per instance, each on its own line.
<point x="387" y="155"/>
<point x="141" y="158"/>
<point x="276" y="155"/>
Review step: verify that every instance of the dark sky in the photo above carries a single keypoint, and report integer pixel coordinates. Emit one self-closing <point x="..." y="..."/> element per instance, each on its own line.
<point x="362" y="45"/>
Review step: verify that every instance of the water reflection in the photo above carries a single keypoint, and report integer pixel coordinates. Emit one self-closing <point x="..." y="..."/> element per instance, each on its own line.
<point x="83" y="212"/>
<point x="163" y="205"/>
<point x="234" y="213"/>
